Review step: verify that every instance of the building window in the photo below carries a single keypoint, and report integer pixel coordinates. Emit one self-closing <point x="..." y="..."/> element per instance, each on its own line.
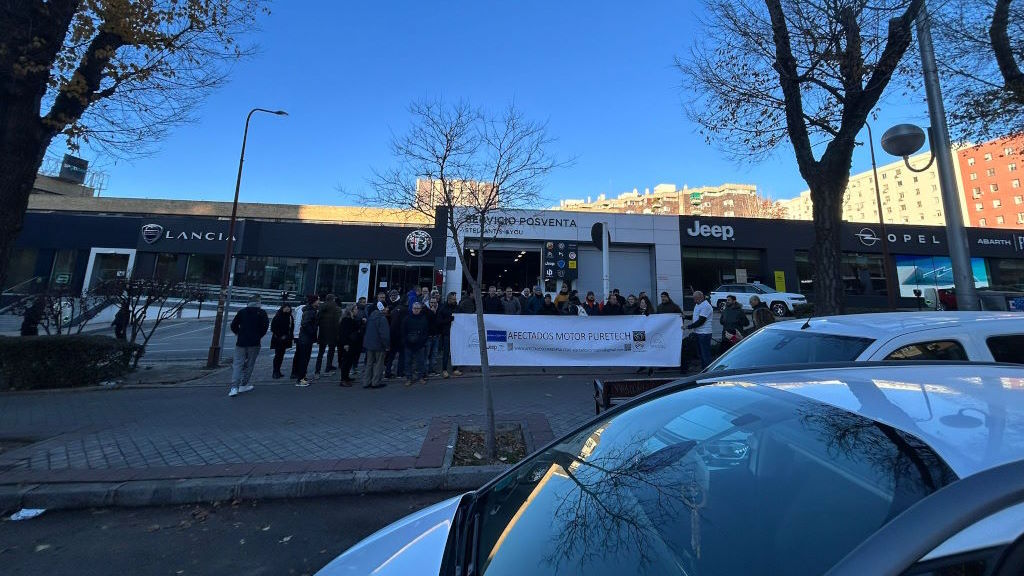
<point x="21" y="270"/>
<point x="1018" y="199"/>
<point x="1007" y="151"/>
<point x="918" y="203"/>
<point x="1011" y="167"/>
<point x="1015" y="184"/>
<point x="988" y="157"/>
<point x="931" y="273"/>
<point x="970" y="161"/>
<point x="982" y="222"/>
<point x="915" y="178"/>
<point x="862" y="274"/>
<point x="338" y="277"/>
<point x="1020" y="217"/>
<point x="974" y="175"/>
<point x="999" y="220"/>
<point x="204" y="268"/>
<point x="997" y="203"/>
<point x="978" y="206"/>
<point x="272" y="273"/>
<point x="729" y="214"/>
<point x="166" y="267"/>
<point x="991" y="172"/>
<point x="993" y="187"/>
<point x="63" y="271"/>
<point x="707" y="268"/>
<point x="976" y="193"/>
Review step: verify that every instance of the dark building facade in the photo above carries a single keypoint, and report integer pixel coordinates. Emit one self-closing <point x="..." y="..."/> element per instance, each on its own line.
<point x="726" y="250"/>
<point x="77" y="251"/>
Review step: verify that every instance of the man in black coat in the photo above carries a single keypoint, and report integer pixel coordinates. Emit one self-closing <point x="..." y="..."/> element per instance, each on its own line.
<point x="667" y="306"/>
<point x="443" y="319"/>
<point x="397" y="311"/>
<point x="492" y="302"/>
<point x="415" y="333"/>
<point x="250" y="325"/>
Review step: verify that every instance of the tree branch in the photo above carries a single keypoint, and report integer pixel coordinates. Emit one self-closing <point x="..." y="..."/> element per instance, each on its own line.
<point x="1008" y="66"/>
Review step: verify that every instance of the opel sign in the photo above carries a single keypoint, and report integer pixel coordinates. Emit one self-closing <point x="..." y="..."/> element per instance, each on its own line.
<point x="867" y="237"/>
<point x="418" y="243"/>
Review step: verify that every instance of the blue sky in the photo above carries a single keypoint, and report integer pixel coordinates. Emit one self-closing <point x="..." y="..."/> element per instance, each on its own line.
<point x="601" y="74"/>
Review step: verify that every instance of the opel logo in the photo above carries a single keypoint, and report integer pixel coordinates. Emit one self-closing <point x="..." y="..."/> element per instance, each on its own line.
<point x="418" y="243"/>
<point x="867" y="237"/>
<point x="152" y="232"/>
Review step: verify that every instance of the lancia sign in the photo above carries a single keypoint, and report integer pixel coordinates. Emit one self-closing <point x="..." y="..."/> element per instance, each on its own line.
<point x="152" y="232"/>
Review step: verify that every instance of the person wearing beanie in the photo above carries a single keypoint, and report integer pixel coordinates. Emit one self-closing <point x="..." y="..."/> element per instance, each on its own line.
<point x="250" y="325"/>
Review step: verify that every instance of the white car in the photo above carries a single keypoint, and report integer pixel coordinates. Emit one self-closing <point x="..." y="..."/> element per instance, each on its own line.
<point x="845" y="471"/>
<point x="968" y="336"/>
<point x="781" y="303"/>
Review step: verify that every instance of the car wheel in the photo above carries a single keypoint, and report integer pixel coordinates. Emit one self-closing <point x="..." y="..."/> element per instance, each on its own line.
<point x="779" y="309"/>
<point x="721" y="305"/>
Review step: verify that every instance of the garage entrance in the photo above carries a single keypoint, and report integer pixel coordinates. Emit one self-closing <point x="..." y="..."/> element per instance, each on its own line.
<point x="516" y="268"/>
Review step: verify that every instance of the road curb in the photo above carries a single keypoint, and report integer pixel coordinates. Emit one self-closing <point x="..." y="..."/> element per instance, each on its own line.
<point x="76" y="495"/>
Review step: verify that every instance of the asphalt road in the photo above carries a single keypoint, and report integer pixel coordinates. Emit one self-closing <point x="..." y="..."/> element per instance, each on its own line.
<point x="268" y="537"/>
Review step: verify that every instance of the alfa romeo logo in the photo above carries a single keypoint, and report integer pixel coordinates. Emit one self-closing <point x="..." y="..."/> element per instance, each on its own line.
<point x="418" y="243"/>
<point x="152" y="232"/>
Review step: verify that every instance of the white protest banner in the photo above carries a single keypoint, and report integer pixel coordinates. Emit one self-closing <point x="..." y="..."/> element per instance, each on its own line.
<point x="569" y="340"/>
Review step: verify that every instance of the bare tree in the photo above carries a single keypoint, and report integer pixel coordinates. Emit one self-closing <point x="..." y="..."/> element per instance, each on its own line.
<point x="464" y="165"/>
<point x="60" y="311"/>
<point x="112" y="74"/>
<point x="980" y="45"/>
<point x="148" y="302"/>
<point x="809" y="72"/>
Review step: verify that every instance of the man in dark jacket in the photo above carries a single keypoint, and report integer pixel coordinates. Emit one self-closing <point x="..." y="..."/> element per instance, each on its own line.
<point x="667" y="306"/>
<point x="510" y="303"/>
<point x="613" y="307"/>
<point x="376" y="341"/>
<point x="443" y="319"/>
<point x="397" y="313"/>
<point x="120" y="323"/>
<point x="250" y="325"/>
<point x="492" y="302"/>
<point x="592" y="307"/>
<point x="468" y="304"/>
<point x="282" y="335"/>
<point x="307" y="337"/>
<point x="415" y="332"/>
<point x="733" y="321"/>
<point x="536" y="302"/>
<point x="328" y="322"/>
<point x="350" y="339"/>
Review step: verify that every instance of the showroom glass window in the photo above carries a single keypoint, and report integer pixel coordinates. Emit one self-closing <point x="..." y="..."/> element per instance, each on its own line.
<point x="166" y="267"/>
<point x="1007" y="274"/>
<point x="931" y="273"/>
<point x="338" y="277"/>
<point x="62" y="275"/>
<point x="863" y="274"/>
<point x="204" y="269"/>
<point x="21" y="267"/>
<point x="708" y="268"/>
<point x="272" y="273"/>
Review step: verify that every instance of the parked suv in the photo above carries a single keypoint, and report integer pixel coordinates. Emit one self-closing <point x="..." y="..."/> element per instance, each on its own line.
<point x="781" y="303"/>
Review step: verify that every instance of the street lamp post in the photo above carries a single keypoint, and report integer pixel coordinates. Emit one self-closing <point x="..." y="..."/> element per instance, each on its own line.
<point x="890" y="279"/>
<point x="216" y="344"/>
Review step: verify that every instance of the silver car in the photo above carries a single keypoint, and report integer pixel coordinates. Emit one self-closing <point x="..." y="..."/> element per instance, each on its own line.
<point x="859" y="469"/>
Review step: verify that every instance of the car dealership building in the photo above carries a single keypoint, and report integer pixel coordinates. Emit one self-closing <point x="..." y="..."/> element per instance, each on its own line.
<point x="75" y="244"/>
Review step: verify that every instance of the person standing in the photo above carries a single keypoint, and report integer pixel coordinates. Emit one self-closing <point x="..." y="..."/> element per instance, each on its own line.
<point x="282" y="335"/>
<point x="613" y="308"/>
<point x="536" y="302"/>
<point x="376" y="341"/>
<point x="592" y="307"/>
<point x="756" y="304"/>
<point x="510" y="303"/>
<point x="701" y="326"/>
<point x="549" y="308"/>
<point x="433" y="336"/>
<point x="644" y="306"/>
<point x="33" y="316"/>
<point x="667" y="306"/>
<point x="445" y="317"/>
<point x="629" y="308"/>
<point x="762" y="317"/>
<point x="328" y="320"/>
<point x="733" y="320"/>
<point x="492" y="303"/>
<point x="120" y="323"/>
<point x="350" y="339"/>
<point x="562" y="300"/>
<point x="415" y="331"/>
<point x="307" y="337"/>
<point x="249" y="325"/>
<point x="396" y="355"/>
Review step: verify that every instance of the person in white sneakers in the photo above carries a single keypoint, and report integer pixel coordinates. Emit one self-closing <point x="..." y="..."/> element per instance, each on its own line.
<point x="250" y="325"/>
<point x="701" y="326"/>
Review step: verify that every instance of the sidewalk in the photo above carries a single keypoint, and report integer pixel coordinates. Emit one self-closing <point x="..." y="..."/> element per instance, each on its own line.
<point x="188" y="443"/>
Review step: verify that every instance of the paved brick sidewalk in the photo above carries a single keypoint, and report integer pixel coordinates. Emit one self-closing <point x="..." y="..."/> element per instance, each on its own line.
<point x="197" y="431"/>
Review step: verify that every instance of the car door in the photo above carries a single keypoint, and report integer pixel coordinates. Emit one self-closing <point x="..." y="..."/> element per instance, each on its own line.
<point x="939" y="344"/>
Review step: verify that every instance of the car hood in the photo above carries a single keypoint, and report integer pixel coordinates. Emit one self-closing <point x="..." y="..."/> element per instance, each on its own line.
<point x="413" y="545"/>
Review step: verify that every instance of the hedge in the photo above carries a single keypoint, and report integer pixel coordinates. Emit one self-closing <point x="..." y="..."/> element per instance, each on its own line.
<point x="38" y="362"/>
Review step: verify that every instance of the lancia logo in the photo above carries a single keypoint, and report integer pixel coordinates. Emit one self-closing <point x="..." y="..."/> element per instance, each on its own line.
<point x="152" y="232"/>
<point x="418" y="243"/>
<point x="867" y="237"/>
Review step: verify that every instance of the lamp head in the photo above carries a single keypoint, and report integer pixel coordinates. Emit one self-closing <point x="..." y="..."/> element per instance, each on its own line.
<point x="903" y="140"/>
<point x="280" y="112"/>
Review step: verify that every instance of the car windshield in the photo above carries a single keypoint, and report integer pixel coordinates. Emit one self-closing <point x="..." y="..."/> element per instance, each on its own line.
<point x="764" y="289"/>
<point x="720" y="480"/>
<point x="782" y="346"/>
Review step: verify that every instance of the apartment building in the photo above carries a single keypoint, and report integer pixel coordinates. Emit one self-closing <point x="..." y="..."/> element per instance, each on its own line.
<point x="990" y="179"/>
<point x="726" y="200"/>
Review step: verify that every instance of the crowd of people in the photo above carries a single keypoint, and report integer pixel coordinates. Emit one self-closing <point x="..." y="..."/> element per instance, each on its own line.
<point x="408" y="336"/>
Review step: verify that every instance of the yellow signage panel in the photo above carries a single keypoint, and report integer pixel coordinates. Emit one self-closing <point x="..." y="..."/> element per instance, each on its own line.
<point x="780" y="280"/>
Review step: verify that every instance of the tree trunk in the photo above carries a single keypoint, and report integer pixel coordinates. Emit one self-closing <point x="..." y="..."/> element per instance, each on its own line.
<point x="485" y="366"/>
<point x="826" y="253"/>
<point x="23" y="143"/>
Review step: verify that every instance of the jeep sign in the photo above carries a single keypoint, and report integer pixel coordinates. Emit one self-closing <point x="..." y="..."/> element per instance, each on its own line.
<point x="723" y="232"/>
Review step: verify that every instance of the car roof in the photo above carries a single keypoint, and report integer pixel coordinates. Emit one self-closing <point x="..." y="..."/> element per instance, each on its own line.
<point x="971" y="415"/>
<point x="880" y="324"/>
